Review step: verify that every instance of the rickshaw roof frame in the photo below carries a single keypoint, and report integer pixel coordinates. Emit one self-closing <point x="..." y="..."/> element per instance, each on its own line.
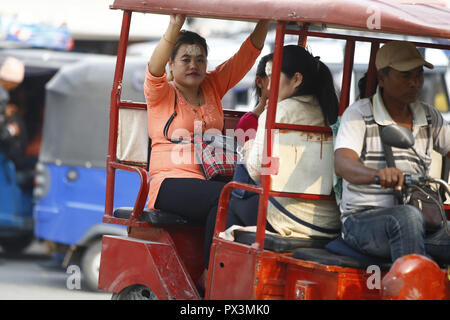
<point x="416" y="18"/>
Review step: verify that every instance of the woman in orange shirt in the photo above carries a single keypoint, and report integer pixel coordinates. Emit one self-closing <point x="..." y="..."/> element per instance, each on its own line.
<point x="177" y="183"/>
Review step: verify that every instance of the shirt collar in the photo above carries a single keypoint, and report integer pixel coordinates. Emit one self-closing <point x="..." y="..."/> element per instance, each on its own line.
<point x="382" y="117"/>
<point x="306" y="99"/>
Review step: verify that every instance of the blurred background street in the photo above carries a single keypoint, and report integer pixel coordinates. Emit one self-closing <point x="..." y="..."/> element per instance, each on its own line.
<point x="28" y="276"/>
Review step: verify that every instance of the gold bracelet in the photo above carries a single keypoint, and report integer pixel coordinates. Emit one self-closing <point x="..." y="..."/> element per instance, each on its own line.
<point x="171" y="42"/>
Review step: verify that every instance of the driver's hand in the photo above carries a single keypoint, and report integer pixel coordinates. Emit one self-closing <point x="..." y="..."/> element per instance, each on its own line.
<point x="391" y="178"/>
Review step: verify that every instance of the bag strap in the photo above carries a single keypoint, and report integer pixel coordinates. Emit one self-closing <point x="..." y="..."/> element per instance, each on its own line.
<point x="244" y="176"/>
<point x="388" y="154"/>
<point x="298" y="220"/>
<point x="169" y="122"/>
<point x="429" y="123"/>
<point x="386" y="148"/>
<point x="390" y="163"/>
<point x="149" y="152"/>
<point x="387" y="151"/>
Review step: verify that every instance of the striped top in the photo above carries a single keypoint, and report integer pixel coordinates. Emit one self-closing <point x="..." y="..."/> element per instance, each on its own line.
<point x="359" y="132"/>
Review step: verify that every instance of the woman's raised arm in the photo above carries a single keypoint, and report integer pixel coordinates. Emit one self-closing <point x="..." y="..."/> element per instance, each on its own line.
<point x="258" y="36"/>
<point x="162" y="52"/>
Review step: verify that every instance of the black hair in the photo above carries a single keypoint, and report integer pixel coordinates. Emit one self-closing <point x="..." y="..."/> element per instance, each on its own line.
<point x="188" y="37"/>
<point x="317" y="79"/>
<point x="362" y="83"/>
<point x="261" y="72"/>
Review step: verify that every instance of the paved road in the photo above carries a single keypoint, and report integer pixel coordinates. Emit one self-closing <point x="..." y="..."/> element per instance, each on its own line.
<point x="24" y="277"/>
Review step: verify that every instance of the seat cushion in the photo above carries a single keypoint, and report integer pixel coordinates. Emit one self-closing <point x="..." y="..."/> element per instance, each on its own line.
<point x="278" y="243"/>
<point x="340" y="247"/>
<point x="338" y="253"/>
<point x="157" y="218"/>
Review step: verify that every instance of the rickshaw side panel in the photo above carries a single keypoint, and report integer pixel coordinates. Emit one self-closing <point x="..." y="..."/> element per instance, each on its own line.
<point x="187" y="241"/>
<point x="231" y="272"/>
<point x="128" y="261"/>
<point x="270" y="275"/>
<point x="308" y="280"/>
<point x="279" y="276"/>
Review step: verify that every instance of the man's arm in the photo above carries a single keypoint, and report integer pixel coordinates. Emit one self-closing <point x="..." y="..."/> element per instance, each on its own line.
<point x="347" y="166"/>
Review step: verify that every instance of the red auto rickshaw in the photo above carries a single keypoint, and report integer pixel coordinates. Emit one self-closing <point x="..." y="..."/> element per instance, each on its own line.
<point x="162" y="254"/>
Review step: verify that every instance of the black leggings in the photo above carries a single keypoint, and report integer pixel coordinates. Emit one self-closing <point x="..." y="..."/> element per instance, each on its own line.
<point x="244" y="212"/>
<point x="195" y="199"/>
<point x="243" y="209"/>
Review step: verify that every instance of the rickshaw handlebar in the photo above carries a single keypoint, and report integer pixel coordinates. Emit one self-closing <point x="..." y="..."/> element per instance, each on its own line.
<point x="410" y="180"/>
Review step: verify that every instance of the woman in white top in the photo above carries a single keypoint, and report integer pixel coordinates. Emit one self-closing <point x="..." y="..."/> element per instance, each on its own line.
<point x="306" y="97"/>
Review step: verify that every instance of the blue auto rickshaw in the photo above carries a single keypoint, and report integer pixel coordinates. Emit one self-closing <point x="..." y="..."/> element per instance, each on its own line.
<point x="64" y="103"/>
<point x="70" y="178"/>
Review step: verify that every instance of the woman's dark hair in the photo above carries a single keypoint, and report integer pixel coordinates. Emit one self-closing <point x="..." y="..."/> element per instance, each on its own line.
<point x="188" y="37"/>
<point x="317" y="79"/>
<point x="362" y="83"/>
<point x="261" y="72"/>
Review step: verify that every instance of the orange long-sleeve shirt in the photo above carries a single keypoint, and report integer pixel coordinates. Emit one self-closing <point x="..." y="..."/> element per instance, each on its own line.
<point x="169" y="160"/>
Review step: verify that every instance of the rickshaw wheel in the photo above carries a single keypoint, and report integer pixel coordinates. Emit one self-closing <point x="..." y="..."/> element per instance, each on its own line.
<point x="90" y="264"/>
<point x="135" y="292"/>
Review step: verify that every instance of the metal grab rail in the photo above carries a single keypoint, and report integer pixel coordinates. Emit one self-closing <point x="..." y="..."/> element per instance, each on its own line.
<point x="224" y="201"/>
<point x="114" y="113"/>
<point x="143" y="190"/>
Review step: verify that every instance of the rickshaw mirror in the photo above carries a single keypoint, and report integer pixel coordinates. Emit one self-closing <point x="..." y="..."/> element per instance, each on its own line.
<point x="397" y="136"/>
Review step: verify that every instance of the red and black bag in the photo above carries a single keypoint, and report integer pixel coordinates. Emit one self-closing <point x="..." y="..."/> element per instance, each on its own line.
<point x="216" y="154"/>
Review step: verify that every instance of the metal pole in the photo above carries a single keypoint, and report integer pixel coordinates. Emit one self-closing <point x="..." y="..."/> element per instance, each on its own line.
<point x="347" y="76"/>
<point x="267" y="160"/>
<point x="114" y="113"/>
<point x="371" y="80"/>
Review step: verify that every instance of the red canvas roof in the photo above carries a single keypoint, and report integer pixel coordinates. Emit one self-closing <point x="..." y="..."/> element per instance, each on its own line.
<point x="425" y="18"/>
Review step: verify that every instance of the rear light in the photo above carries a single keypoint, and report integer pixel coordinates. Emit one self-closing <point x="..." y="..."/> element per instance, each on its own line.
<point x="41" y="181"/>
